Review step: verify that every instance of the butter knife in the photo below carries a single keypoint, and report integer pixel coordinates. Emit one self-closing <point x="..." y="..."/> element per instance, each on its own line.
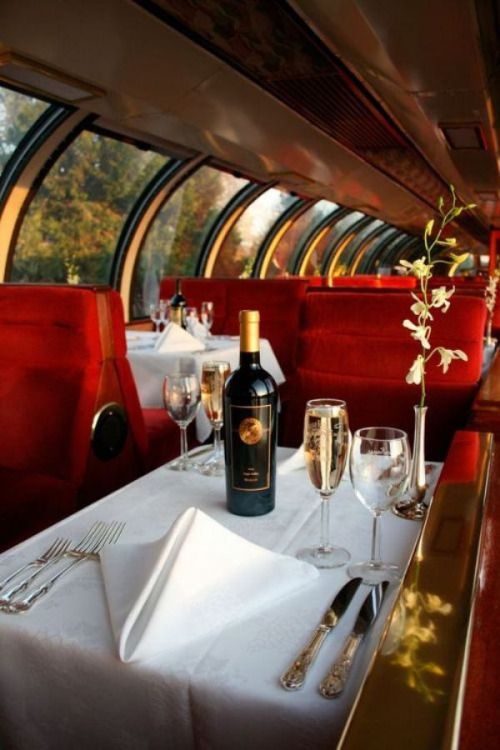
<point x="334" y="682"/>
<point x="295" y="675"/>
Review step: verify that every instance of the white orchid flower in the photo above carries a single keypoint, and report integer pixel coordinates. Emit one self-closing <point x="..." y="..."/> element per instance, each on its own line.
<point x="419" y="307"/>
<point x="418" y="268"/>
<point x="416" y="371"/>
<point x="447" y="355"/>
<point x="441" y="297"/>
<point x="419" y="333"/>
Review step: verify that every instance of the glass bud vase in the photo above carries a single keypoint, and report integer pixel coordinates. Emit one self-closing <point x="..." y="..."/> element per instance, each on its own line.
<point x="489" y="336"/>
<point x="414" y="508"/>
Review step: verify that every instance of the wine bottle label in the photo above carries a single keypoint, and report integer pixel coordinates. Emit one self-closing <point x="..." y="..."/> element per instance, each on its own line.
<point x="250" y="431"/>
<point x="175" y="315"/>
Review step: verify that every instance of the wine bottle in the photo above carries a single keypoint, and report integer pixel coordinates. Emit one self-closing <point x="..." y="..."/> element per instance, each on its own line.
<point x="178" y="304"/>
<point x="250" y="419"/>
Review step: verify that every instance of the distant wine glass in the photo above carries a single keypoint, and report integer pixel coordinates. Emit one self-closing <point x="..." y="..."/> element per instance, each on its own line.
<point x="181" y="396"/>
<point x="213" y="378"/>
<point x="192" y="320"/>
<point x="163" y="309"/>
<point x="207" y="316"/>
<point x="154" y="314"/>
<point x="326" y="442"/>
<point x="379" y="467"/>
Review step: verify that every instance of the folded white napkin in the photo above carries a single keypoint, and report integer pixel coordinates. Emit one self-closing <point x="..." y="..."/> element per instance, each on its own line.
<point x="175" y="339"/>
<point x="191" y="583"/>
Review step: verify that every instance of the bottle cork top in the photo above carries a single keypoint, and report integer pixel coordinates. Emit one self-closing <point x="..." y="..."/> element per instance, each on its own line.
<point x="249" y="330"/>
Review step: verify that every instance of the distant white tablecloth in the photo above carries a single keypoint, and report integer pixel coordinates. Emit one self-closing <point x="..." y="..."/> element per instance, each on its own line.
<point x="63" y="686"/>
<point x="149" y="367"/>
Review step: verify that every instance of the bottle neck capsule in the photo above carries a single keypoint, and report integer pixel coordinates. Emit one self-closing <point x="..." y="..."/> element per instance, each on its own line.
<point x="249" y="337"/>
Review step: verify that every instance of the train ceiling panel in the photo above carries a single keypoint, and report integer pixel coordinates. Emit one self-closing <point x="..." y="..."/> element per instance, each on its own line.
<point x="316" y="91"/>
<point x="274" y="46"/>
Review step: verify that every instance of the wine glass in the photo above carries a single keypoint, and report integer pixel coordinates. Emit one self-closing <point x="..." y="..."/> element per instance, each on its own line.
<point x="163" y="310"/>
<point x="154" y="314"/>
<point x="207" y="316"/>
<point x="326" y="441"/>
<point x="213" y="378"/>
<point x="181" y="396"/>
<point x="191" y="320"/>
<point x="379" y="467"/>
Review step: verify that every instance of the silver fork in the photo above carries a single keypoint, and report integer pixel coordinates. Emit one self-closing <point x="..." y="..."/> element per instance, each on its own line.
<point x="107" y="533"/>
<point x="56" y="552"/>
<point x="55" y="549"/>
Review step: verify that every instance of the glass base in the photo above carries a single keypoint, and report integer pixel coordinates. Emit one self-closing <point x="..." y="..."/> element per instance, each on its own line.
<point x="213" y="466"/>
<point x="412" y="511"/>
<point x="373" y="573"/>
<point x="181" y="464"/>
<point x="324" y="557"/>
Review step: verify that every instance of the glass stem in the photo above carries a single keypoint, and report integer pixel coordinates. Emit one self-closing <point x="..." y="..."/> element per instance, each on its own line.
<point x="324" y="543"/>
<point x="184" y="443"/>
<point x="376" y="539"/>
<point x="217" y="441"/>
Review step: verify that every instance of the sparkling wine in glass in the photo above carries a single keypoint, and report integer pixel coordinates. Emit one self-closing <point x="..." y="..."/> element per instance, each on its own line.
<point x="213" y="378"/>
<point x="379" y="467"/>
<point x="181" y="396"/>
<point x="207" y="316"/>
<point x="326" y="445"/>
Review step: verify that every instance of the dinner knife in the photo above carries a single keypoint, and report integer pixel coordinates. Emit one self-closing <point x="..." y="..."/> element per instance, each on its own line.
<point x="334" y="682"/>
<point x="295" y="675"/>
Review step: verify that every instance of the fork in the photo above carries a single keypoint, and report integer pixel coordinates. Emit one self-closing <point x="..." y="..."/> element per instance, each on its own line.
<point x="106" y="533"/>
<point x="56" y="553"/>
<point x="54" y="550"/>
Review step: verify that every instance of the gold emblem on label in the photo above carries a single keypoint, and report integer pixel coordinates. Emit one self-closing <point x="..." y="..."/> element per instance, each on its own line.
<point x="250" y="430"/>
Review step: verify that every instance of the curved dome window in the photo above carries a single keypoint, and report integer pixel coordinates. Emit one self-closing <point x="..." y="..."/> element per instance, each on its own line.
<point x="72" y="226"/>
<point x="237" y="253"/>
<point x="18" y="113"/>
<point x="176" y="236"/>
<point x="279" y="264"/>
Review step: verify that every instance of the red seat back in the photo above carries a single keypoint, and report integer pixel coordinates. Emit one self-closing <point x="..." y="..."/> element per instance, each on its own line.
<point x="354" y="347"/>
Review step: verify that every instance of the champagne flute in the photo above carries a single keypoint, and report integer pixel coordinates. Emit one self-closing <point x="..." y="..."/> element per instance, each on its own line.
<point x="326" y="443"/>
<point x="213" y="378"/>
<point x="379" y="467"/>
<point x="181" y="396"/>
<point x="207" y="316"/>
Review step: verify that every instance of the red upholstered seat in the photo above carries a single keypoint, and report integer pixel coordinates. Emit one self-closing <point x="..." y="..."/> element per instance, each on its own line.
<point x="62" y="359"/>
<point x="354" y="347"/>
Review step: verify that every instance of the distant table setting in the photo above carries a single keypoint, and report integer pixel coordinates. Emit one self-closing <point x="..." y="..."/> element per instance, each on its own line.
<point x="152" y="356"/>
<point x="176" y="619"/>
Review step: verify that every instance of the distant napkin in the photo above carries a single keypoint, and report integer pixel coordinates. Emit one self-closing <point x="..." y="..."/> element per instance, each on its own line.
<point x="176" y="339"/>
<point x="297" y="461"/>
<point x="191" y="583"/>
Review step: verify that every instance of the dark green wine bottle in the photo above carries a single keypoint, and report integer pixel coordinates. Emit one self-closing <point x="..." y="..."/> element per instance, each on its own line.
<point x="251" y="426"/>
<point x="178" y="304"/>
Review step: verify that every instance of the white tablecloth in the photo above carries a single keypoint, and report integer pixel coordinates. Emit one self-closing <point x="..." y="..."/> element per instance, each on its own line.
<point x="63" y="686"/>
<point x="149" y="367"/>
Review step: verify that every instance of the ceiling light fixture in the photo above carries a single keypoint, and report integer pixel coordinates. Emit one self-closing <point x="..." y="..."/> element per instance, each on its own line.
<point x="464" y="135"/>
<point x="38" y="78"/>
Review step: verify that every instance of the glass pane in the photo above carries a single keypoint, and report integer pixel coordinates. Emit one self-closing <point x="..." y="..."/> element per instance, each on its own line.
<point x="72" y="226"/>
<point x="18" y="112"/>
<point x="176" y="236"/>
<point x="284" y="251"/>
<point x="324" y="242"/>
<point x="237" y="254"/>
